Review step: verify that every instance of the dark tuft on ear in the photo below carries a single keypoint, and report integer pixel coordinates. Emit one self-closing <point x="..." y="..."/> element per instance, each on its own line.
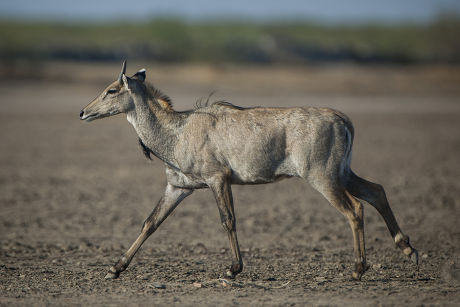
<point x="140" y="75"/>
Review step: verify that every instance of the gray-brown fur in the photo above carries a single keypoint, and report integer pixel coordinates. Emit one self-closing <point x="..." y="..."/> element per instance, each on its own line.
<point x="221" y="144"/>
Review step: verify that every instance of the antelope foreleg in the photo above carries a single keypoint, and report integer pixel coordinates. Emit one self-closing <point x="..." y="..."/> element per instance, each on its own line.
<point x="172" y="197"/>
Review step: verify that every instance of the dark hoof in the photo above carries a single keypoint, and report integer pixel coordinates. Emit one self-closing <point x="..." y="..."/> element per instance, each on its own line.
<point x="230" y="274"/>
<point x="360" y="269"/>
<point x="356" y="275"/>
<point x="235" y="269"/>
<point x="414" y="256"/>
<point x="112" y="275"/>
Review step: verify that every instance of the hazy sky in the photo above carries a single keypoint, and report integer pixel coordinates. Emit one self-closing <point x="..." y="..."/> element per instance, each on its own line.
<point x="319" y="10"/>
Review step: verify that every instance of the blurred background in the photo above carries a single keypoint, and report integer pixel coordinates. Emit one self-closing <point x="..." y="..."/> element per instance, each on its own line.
<point x="256" y="32"/>
<point x="204" y="39"/>
<point x="65" y="185"/>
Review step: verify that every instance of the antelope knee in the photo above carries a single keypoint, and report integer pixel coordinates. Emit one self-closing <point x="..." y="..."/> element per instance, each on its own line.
<point x="228" y="223"/>
<point x="148" y="227"/>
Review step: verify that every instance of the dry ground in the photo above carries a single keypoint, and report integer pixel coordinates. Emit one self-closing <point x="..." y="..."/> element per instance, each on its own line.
<point x="73" y="195"/>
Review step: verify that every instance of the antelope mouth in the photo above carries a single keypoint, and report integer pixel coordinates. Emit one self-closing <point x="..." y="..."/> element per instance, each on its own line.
<point x="93" y="116"/>
<point x="88" y="117"/>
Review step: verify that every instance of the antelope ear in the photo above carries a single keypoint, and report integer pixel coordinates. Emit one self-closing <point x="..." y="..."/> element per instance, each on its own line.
<point x="125" y="82"/>
<point x="140" y="75"/>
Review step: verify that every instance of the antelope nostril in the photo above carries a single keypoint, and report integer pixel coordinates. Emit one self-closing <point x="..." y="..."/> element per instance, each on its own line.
<point x="81" y="113"/>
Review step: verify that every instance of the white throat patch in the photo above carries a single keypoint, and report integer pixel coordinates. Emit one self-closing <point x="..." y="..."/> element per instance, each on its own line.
<point x="132" y="117"/>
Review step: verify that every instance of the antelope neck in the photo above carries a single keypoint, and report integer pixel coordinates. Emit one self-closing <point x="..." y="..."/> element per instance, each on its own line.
<point x="157" y="128"/>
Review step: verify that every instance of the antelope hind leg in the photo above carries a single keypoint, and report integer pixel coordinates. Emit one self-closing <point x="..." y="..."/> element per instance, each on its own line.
<point x="375" y="195"/>
<point x="352" y="209"/>
<point x="223" y="195"/>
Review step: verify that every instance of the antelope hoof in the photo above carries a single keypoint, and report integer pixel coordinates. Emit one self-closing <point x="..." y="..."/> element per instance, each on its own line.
<point x="356" y="275"/>
<point x="234" y="270"/>
<point x="360" y="269"/>
<point x="412" y="253"/>
<point x="230" y="274"/>
<point x="112" y="275"/>
<point x="414" y="256"/>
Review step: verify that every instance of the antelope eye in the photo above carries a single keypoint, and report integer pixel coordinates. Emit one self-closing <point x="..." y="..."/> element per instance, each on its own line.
<point x="112" y="91"/>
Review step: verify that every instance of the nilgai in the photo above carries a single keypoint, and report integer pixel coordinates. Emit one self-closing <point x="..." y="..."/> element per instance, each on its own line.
<point x="221" y="144"/>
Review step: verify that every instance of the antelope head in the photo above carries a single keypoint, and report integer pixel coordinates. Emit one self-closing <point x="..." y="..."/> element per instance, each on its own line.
<point x="115" y="99"/>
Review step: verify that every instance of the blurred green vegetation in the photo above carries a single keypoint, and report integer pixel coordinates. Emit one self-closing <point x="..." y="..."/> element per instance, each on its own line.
<point x="174" y="40"/>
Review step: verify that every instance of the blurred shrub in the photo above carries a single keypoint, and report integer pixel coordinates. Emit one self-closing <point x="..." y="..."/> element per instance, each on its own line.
<point x="174" y="40"/>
